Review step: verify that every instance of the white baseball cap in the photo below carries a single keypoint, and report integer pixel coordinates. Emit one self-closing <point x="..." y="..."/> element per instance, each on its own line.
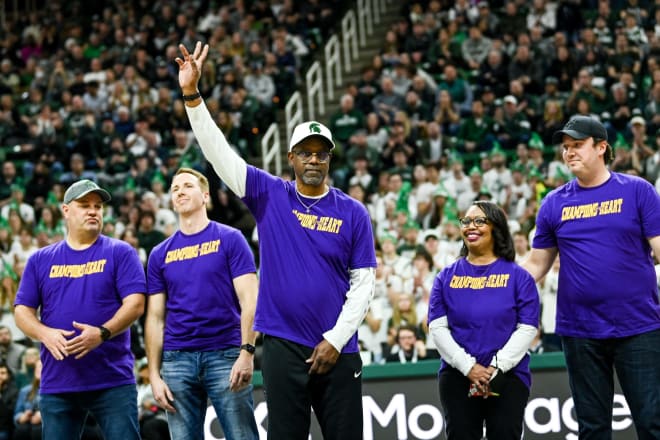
<point x="308" y="129"/>
<point x="511" y="99"/>
<point x="637" y="120"/>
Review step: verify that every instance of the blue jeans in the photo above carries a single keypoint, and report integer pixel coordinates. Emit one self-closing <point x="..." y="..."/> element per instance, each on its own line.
<point x="115" y="410"/>
<point x="591" y="364"/>
<point x="193" y="377"/>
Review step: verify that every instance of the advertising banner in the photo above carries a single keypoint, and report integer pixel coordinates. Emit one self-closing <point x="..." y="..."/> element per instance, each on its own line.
<point x="400" y="402"/>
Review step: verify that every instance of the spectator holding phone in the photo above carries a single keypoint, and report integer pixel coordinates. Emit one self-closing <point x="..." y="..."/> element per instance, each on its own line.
<point x="483" y="315"/>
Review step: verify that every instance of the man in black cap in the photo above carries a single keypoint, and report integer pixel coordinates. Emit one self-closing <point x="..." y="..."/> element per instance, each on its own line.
<point x="604" y="225"/>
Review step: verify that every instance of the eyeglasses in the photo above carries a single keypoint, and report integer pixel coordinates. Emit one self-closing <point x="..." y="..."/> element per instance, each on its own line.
<point x="306" y="156"/>
<point x="478" y="221"/>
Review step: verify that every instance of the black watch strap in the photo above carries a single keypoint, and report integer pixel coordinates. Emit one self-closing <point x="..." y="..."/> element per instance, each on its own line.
<point x="191" y="97"/>
<point x="249" y="348"/>
<point x="105" y="333"/>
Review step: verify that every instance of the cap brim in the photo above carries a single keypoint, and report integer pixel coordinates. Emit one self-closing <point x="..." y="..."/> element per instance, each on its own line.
<point x="105" y="196"/>
<point x="329" y="143"/>
<point x="558" y="136"/>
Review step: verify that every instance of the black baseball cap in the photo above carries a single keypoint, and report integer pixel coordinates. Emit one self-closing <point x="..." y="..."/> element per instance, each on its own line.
<point x="83" y="187"/>
<point x="581" y="127"/>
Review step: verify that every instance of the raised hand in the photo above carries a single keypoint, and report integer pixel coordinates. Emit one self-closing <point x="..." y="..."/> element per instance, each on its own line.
<point x="190" y="67"/>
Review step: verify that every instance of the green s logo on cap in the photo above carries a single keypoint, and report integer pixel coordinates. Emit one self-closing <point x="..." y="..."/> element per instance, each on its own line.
<point x="315" y="127"/>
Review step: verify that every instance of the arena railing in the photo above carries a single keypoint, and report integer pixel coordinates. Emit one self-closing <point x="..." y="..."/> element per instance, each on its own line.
<point x="354" y="31"/>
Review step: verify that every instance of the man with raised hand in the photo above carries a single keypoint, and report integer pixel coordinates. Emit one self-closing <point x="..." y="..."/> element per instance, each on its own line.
<point x="316" y="276"/>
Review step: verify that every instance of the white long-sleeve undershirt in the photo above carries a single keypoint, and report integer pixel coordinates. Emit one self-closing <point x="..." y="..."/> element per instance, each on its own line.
<point x="232" y="169"/>
<point x="505" y="359"/>
<point x="229" y="166"/>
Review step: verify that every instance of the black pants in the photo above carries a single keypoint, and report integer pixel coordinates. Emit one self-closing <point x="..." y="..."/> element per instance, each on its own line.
<point x="290" y="391"/>
<point x="154" y="428"/>
<point x="27" y="431"/>
<point x="465" y="416"/>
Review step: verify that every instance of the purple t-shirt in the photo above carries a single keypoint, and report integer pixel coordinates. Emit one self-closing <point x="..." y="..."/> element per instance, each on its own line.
<point x="305" y="258"/>
<point x="88" y="287"/>
<point x="607" y="284"/>
<point x="483" y="305"/>
<point x="196" y="272"/>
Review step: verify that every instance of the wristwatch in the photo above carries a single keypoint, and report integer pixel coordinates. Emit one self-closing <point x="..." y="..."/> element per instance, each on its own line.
<point x="249" y="348"/>
<point x="105" y="333"/>
<point x="191" y="97"/>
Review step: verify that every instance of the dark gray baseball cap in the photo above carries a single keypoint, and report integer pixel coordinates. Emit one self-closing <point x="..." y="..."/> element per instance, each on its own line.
<point x="83" y="187"/>
<point x="581" y="127"/>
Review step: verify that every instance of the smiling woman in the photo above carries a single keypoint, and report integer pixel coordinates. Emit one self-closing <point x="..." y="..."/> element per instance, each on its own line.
<point x="483" y="314"/>
<point x="486" y="235"/>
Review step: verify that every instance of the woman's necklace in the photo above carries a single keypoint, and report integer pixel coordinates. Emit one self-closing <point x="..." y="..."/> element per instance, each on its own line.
<point x="307" y="207"/>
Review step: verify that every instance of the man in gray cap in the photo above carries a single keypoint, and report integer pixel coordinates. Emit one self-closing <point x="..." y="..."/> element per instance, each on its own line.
<point x="89" y="289"/>
<point x="604" y="225"/>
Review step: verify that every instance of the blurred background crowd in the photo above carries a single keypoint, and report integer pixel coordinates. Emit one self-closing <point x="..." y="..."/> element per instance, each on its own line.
<point x="459" y="104"/>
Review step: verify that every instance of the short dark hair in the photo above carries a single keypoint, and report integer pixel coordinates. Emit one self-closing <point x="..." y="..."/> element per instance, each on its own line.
<point x="408" y="327"/>
<point x="502" y="240"/>
<point x="609" y="153"/>
<point x="146" y="213"/>
<point x="9" y="370"/>
<point x="423" y="253"/>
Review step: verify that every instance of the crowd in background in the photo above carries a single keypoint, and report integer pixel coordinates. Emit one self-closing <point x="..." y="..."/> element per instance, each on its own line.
<point x="459" y="104"/>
